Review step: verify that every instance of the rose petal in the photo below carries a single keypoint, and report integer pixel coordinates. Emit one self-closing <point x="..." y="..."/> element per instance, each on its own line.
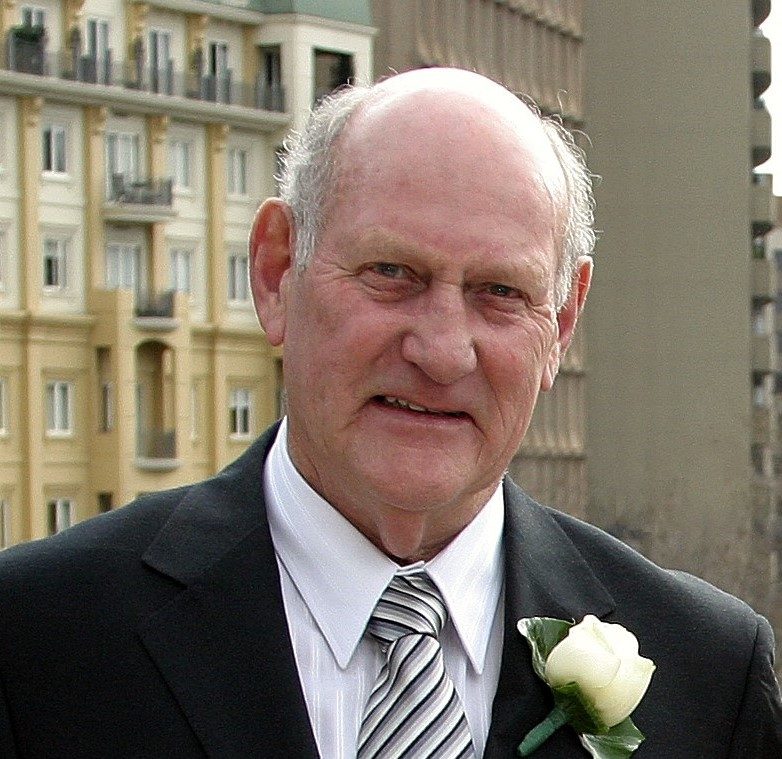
<point x="582" y="657"/>
<point x="620" y="697"/>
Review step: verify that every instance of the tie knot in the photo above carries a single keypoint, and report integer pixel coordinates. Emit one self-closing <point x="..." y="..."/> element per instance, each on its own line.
<point x="411" y="604"/>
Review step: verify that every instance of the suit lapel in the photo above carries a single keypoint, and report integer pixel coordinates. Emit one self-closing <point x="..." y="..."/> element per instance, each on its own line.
<point x="223" y="646"/>
<point x="545" y="576"/>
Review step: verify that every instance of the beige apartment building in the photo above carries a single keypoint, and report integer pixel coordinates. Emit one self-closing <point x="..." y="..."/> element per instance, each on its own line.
<point x="536" y="48"/>
<point x="136" y="141"/>
<point x="681" y="399"/>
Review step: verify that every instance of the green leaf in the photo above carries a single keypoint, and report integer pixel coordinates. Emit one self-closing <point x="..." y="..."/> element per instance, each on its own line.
<point x="618" y="743"/>
<point x="579" y="709"/>
<point x="542" y="634"/>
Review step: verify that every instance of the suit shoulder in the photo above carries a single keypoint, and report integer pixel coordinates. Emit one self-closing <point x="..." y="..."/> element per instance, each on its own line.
<point x="123" y="532"/>
<point x="636" y="581"/>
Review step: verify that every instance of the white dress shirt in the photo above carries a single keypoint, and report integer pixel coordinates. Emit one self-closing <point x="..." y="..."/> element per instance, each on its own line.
<point x="332" y="577"/>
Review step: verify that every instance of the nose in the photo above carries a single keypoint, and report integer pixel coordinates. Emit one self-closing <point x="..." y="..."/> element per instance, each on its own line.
<point x="439" y="340"/>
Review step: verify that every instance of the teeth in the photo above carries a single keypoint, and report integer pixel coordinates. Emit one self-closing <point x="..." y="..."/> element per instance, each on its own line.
<point x="400" y="403"/>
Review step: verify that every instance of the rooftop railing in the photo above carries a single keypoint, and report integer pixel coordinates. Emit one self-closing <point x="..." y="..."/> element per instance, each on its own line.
<point x="27" y="53"/>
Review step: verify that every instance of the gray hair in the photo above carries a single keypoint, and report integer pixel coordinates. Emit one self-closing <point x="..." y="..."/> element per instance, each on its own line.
<point x="308" y="176"/>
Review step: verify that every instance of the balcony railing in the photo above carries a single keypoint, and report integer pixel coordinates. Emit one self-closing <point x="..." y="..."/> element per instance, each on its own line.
<point x="216" y="89"/>
<point x="149" y="192"/>
<point x="156" y="444"/>
<point x="155" y="306"/>
<point x="26" y="49"/>
<point x="27" y="53"/>
<point x="270" y="97"/>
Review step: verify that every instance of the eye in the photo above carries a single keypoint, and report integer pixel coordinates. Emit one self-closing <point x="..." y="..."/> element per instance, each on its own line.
<point x="392" y="271"/>
<point x="502" y="291"/>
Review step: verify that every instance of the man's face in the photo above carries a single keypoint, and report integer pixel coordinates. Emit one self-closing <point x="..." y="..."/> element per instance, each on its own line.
<point x="419" y="336"/>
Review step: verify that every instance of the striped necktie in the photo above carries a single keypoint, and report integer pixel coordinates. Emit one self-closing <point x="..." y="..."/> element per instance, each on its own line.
<point x="413" y="710"/>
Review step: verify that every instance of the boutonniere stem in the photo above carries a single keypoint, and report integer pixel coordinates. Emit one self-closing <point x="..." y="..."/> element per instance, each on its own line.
<point x="542" y="732"/>
<point x="597" y="679"/>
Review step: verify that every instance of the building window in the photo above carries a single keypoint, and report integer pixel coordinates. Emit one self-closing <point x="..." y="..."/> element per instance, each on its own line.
<point x="33" y="15"/>
<point x="218" y="82"/>
<point x="105" y="501"/>
<point x="106" y="407"/>
<point x="238" y="289"/>
<point x="5" y="524"/>
<point x="179" y="157"/>
<point x="332" y="70"/>
<point x="98" y="49"/>
<point x="239" y="412"/>
<point x="59" y="407"/>
<point x="161" y="65"/>
<point x="55" y="263"/>
<point x="3" y="248"/>
<point x="195" y="407"/>
<point x="106" y="410"/>
<point x="270" y="92"/>
<point x="54" y="152"/>
<point x="180" y="270"/>
<point x="123" y="263"/>
<point x="3" y="407"/>
<point x="60" y="514"/>
<point x="236" y="168"/>
<point x="122" y="158"/>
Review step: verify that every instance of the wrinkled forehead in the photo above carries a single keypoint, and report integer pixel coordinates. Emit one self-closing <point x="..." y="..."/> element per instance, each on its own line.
<point x="451" y="126"/>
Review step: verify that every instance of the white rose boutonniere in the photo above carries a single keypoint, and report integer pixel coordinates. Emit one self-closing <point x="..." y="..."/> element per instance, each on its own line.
<point x="597" y="677"/>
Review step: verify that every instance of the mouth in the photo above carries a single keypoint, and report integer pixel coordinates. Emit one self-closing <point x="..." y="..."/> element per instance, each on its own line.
<point x="392" y="401"/>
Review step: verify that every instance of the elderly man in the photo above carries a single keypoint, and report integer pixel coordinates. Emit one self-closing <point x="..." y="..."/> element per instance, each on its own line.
<point x="424" y="272"/>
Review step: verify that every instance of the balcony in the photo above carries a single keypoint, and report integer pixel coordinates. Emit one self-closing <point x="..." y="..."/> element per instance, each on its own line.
<point x="27" y="54"/>
<point x="156" y="313"/>
<point x="761" y="64"/>
<point x="760" y="11"/>
<point x="762" y="206"/>
<point x="764" y="279"/>
<point x="761" y="134"/>
<point x="763" y="354"/>
<point x="764" y="425"/>
<point x="269" y="97"/>
<point x="156" y="450"/>
<point x="27" y="50"/>
<point x="144" y="201"/>
<point x="216" y="89"/>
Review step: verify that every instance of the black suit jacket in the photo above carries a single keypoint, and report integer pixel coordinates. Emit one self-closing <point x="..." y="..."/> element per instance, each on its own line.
<point x="159" y="631"/>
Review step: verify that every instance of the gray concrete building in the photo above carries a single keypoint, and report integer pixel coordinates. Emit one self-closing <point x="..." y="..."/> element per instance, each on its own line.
<point x="681" y="409"/>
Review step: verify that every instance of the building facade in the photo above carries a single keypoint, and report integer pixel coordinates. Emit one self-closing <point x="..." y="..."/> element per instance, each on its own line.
<point x="535" y="48"/>
<point x="681" y="398"/>
<point x="136" y="141"/>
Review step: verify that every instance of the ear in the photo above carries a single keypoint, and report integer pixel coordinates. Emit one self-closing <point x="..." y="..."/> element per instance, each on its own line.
<point x="567" y="318"/>
<point x="272" y="242"/>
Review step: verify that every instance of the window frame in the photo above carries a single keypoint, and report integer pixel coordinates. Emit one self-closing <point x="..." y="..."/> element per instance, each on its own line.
<point x="97" y="38"/>
<point x="236" y="171"/>
<point x="122" y="148"/>
<point x="177" y="256"/>
<point x="58" y="398"/>
<point x="34" y="11"/>
<point x="240" y="413"/>
<point x="54" y="149"/>
<point x="55" y="276"/>
<point x="3" y="257"/>
<point x="181" y="164"/>
<point x="55" y="511"/>
<point x="237" y="280"/>
<point x="4" y="422"/>
<point x="5" y="523"/>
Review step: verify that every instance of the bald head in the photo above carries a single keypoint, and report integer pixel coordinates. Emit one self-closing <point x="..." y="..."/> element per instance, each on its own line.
<point x="438" y="122"/>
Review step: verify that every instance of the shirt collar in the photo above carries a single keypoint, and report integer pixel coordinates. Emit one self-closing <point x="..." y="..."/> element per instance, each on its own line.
<point x="340" y="574"/>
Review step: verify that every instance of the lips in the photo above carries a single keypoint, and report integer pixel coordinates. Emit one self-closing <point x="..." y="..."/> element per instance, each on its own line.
<point x="401" y="403"/>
